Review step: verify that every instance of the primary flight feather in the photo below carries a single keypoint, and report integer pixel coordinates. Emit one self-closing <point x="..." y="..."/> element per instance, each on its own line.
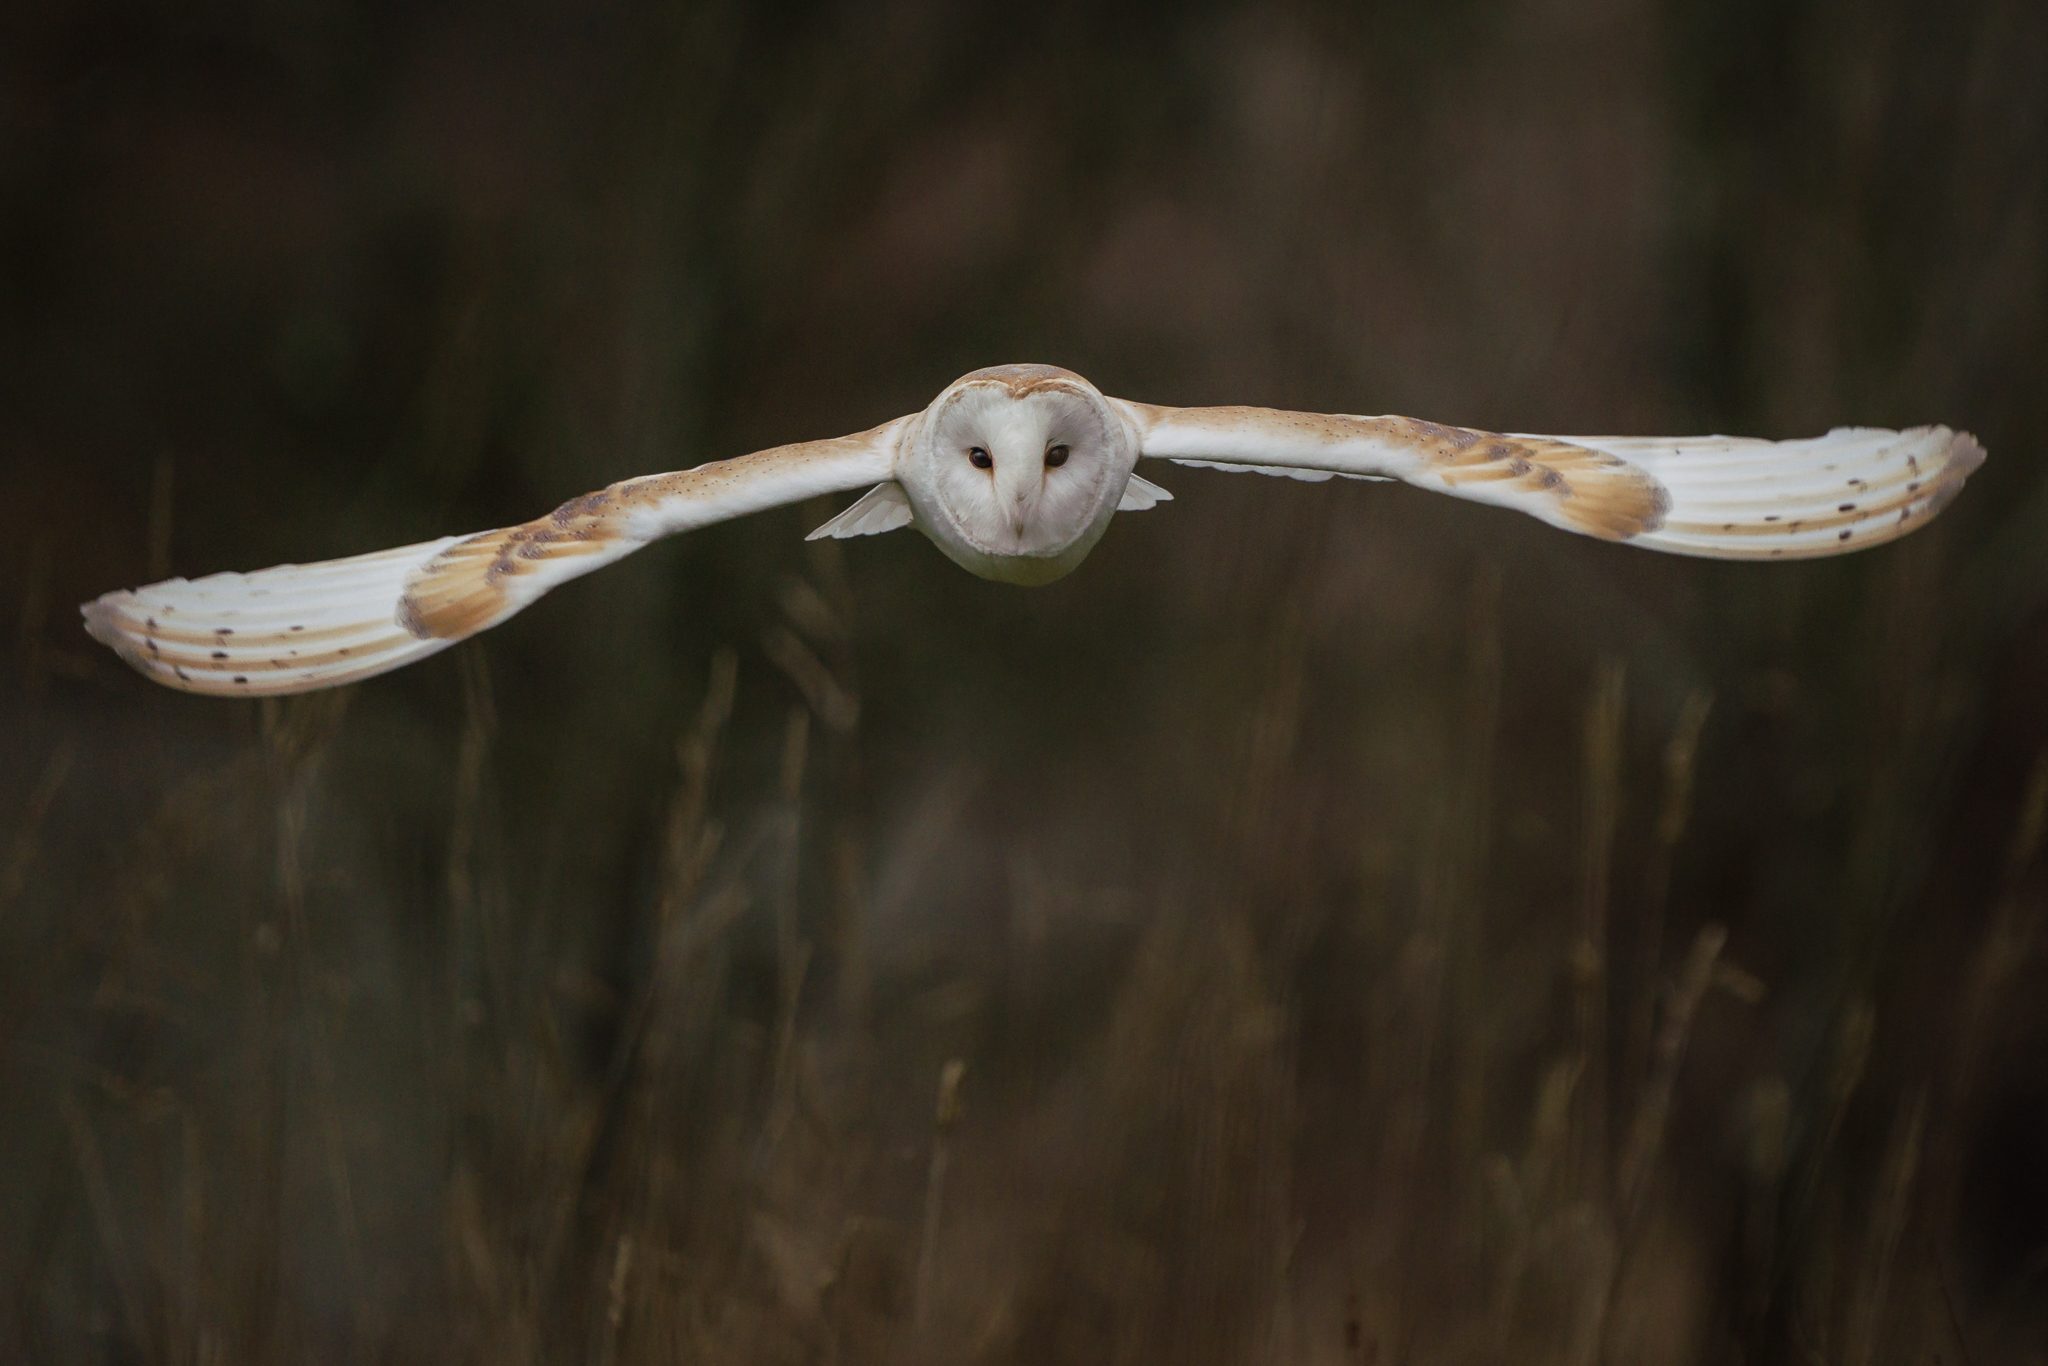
<point x="1015" y="472"/>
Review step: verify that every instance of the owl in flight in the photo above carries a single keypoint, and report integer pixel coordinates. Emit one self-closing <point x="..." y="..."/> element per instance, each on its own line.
<point x="1015" y="472"/>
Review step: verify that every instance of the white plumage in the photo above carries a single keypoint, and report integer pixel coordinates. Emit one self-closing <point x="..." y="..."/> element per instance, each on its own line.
<point x="1735" y="498"/>
<point x="1015" y="472"/>
<point x="278" y="630"/>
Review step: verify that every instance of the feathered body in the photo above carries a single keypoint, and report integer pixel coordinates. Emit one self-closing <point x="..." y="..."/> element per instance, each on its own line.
<point x="1015" y="472"/>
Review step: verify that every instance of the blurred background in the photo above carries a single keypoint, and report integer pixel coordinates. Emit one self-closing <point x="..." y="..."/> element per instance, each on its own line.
<point x="1336" y="925"/>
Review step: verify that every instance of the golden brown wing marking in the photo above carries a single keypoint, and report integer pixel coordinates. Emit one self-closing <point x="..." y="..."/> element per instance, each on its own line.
<point x="1587" y="490"/>
<point x="470" y="585"/>
<point x="464" y="588"/>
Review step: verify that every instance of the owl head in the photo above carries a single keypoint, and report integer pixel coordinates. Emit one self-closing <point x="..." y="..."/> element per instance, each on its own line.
<point x="1016" y="470"/>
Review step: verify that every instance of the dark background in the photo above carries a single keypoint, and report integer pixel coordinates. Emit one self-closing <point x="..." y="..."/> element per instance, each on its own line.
<point x="1375" y="928"/>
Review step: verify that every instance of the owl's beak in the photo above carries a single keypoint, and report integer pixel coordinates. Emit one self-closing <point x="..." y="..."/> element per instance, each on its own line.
<point x="1017" y="496"/>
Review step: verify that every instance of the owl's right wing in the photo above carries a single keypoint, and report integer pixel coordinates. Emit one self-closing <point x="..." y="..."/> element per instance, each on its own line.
<point x="295" y="628"/>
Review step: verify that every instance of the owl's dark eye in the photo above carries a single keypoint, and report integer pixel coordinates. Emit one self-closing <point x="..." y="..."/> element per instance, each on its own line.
<point x="1055" y="457"/>
<point x="980" y="457"/>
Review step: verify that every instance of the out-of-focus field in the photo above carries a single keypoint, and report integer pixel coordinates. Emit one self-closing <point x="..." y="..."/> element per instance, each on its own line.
<point x="1337" y="925"/>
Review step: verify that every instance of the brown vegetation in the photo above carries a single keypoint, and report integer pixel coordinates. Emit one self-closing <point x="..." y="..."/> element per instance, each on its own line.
<point x="1336" y="925"/>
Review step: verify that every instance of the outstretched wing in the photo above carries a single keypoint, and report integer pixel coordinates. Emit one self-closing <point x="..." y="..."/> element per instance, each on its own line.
<point x="1725" y="497"/>
<point x="299" y="627"/>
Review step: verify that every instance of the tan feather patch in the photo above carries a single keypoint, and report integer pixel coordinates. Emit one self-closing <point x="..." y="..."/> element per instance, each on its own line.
<point x="480" y="580"/>
<point x="1584" y="490"/>
<point x="1574" y="487"/>
<point x="470" y="585"/>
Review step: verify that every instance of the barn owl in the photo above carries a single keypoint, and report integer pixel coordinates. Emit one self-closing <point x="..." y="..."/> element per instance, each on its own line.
<point x="1015" y="472"/>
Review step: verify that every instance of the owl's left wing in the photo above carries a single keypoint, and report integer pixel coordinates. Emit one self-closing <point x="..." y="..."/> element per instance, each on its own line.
<point x="298" y="627"/>
<point x="1722" y="497"/>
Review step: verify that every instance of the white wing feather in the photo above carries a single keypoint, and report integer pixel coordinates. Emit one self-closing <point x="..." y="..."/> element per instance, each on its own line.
<point x="1140" y="494"/>
<point x="1284" y="471"/>
<point x="1742" y="498"/>
<point x="278" y="630"/>
<point x="885" y="507"/>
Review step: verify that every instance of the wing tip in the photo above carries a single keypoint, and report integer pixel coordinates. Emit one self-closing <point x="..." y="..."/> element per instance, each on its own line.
<point x="1964" y="452"/>
<point x="1919" y="472"/>
<point x="102" y="618"/>
<point x="1956" y="455"/>
<point x="98" y="618"/>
